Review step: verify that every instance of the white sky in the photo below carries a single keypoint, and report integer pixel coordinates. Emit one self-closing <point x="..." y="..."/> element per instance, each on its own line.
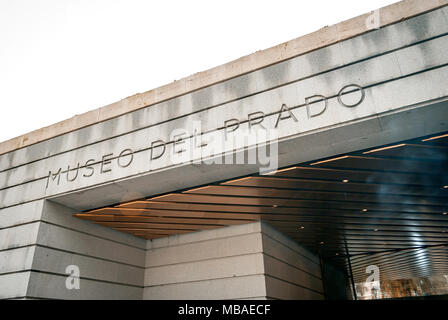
<point x="59" y="58"/>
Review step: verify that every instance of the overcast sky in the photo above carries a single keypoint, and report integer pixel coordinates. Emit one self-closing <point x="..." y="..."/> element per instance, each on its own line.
<point x="59" y="58"/>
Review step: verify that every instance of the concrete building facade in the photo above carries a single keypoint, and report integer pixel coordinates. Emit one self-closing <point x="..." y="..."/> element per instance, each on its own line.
<point x="372" y="81"/>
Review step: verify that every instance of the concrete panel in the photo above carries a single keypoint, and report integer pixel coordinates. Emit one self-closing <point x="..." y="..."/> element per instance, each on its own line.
<point x="187" y="269"/>
<point x="111" y="263"/>
<point x="14" y="285"/>
<point x="225" y="267"/>
<point x="63" y="216"/>
<point x="228" y="288"/>
<point x="16" y="259"/>
<point x="77" y="242"/>
<point x="211" y="249"/>
<point x="215" y="234"/>
<point x="20" y="214"/>
<point x="292" y="272"/>
<point x="281" y="270"/>
<point x="55" y="261"/>
<point x="276" y="235"/>
<point x="225" y="263"/>
<point x="279" y="289"/>
<point x="22" y="235"/>
<point x="276" y="249"/>
<point x="51" y="286"/>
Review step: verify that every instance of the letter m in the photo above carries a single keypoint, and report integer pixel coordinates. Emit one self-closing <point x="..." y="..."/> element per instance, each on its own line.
<point x="53" y="176"/>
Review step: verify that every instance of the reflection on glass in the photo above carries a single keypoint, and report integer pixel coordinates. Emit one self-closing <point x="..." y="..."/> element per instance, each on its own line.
<point x="436" y="285"/>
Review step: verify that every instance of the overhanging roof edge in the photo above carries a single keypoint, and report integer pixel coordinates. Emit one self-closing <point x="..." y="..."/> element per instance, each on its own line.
<point x="324" y="37"/>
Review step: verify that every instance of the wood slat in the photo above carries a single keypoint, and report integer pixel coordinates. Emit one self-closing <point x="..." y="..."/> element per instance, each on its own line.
<point x="338" y="186"/>
<point x="174" y="219"/>
<point x="333" y="195"/>
<point x="371" y="176"/>
<point x="372" y="163"/>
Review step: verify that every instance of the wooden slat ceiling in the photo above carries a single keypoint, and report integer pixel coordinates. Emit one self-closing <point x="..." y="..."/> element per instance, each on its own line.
<point x="388" y="205"/>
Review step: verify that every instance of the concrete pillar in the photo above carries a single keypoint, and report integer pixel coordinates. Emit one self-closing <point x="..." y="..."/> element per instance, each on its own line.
<point x="45" y="239"/>
<point x="252" y="261"/>
<point x="291" y="271"/>
<point x="19" y="226"/>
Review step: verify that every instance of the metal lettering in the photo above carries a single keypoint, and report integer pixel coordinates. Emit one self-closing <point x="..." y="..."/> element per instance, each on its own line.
<point x="315" y="105"/>
<point x="68" y="173"/>
<point x="88" y="167"/>
<point x="124" y="153"/>
<point x="280" y="117"/>
<point x="308" y="101"/>
<point x="178" y="140"/>
<point x="156" y="144"/>
<point x="53" y="177"/>
<point x="341" y="92"/>
<point x="105" y="161"/>
<point x="253" y="117"/>
<point x="236" y="124"/>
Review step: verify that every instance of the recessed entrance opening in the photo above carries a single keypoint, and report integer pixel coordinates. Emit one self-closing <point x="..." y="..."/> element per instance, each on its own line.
<point x="379" y="214"/>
